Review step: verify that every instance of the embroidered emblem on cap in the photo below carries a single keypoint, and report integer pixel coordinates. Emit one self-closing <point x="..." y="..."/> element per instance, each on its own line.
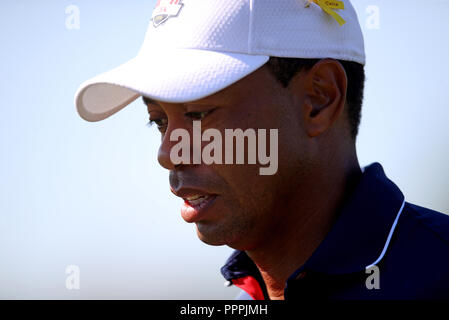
<point x="165" y="9"/>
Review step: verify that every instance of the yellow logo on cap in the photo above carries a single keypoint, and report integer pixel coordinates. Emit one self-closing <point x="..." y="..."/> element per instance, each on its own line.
<point x="329" y="6"/>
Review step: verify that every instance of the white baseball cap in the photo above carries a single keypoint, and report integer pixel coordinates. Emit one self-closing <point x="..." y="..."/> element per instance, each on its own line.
<point x="195" y="48"/>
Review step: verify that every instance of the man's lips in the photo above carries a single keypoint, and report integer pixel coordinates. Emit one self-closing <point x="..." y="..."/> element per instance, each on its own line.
<point x="197" y="210"/>
<point x="197" y="200"/>
<point x="196" y="203"/>
<point x="190" y="193"/>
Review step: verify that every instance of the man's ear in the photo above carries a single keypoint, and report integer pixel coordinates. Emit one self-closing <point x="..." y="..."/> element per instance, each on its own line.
<point x="324" y="86"/>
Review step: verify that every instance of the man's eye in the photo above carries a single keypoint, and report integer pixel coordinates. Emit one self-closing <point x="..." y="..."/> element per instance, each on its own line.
<point x="197" y="115"/>
<point x="160" y="123"/>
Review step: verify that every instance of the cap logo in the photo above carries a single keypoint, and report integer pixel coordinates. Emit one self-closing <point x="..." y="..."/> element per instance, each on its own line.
<point x="164" y="10"/>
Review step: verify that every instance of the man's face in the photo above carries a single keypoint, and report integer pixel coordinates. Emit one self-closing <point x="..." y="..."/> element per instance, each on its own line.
<point x="238" y="206"/>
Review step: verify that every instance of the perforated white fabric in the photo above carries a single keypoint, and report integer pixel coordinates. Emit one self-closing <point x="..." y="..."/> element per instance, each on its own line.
<point x="211" y="44"/>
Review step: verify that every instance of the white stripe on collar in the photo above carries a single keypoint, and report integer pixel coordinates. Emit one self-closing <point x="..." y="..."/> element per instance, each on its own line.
<point x="388" y="239"/>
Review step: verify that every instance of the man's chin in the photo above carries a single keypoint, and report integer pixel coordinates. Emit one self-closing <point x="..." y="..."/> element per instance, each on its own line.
<point x="209" y="236"/>
<point x="216" y="235"/>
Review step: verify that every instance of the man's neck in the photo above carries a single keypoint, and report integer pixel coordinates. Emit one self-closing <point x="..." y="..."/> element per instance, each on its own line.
<point x="309" y="219"/>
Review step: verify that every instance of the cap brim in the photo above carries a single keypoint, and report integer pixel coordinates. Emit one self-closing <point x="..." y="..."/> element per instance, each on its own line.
<point x="175" y="76"/>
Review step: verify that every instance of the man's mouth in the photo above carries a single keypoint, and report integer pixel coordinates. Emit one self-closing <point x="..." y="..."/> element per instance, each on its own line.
<point x="197" y="201"/>
<point x="197" y="206"/>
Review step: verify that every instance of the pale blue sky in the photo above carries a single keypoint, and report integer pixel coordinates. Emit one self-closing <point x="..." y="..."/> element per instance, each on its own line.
<point x="93" y="195"/>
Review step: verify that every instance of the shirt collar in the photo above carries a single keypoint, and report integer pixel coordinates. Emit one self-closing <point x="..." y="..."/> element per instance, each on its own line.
<point x="358" y="237"/>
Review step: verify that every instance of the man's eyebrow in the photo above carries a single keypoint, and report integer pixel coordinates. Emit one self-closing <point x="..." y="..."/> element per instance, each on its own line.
<point x="148" y="101"/>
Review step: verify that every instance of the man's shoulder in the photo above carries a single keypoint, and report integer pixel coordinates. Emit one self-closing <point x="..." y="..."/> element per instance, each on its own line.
<point x="416" y="264"/>
<point x="430" y="224"/>
<point x="415" y="261"/>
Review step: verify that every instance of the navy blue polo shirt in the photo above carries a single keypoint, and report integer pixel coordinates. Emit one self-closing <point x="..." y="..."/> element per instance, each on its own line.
<point x="380" y="247"/>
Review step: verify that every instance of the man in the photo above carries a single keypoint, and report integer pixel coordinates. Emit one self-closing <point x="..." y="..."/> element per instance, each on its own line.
<point x="318" y="225"/>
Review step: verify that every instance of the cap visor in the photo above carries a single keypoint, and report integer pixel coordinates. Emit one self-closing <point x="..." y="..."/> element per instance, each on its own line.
<point x="175" y="76"/>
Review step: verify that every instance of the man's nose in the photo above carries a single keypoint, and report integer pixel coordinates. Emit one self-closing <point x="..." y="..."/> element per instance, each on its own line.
<point x="163" y="155"/>
<point x="181" y="135"/>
